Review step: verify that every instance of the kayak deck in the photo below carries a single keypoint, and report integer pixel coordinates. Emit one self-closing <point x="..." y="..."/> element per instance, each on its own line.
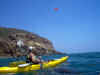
<point x="33" y="67"/>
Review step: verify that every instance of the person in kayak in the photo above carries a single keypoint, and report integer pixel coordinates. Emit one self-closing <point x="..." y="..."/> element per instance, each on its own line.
<point x="31" y="57"/>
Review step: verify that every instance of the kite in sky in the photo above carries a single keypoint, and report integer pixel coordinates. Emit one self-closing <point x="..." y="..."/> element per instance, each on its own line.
<point x="56" y="9"/>
<point x="53" y="10"/>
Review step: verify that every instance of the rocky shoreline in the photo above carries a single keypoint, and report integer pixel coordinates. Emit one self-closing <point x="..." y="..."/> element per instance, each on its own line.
<point x="9" y="37"/>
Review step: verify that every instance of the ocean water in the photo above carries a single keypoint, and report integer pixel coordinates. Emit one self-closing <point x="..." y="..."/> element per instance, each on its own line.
<point x="77" y="64"/>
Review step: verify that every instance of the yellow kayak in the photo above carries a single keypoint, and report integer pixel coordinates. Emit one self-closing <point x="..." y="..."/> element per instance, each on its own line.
<point x="33" y="67"/>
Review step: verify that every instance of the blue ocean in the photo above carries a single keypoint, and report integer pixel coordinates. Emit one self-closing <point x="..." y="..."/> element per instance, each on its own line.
<point x="77" y="64"/>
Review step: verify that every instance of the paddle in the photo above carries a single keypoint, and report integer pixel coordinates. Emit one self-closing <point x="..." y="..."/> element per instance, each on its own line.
<point x="19" y="45"/>
<point x="24" y="65"/>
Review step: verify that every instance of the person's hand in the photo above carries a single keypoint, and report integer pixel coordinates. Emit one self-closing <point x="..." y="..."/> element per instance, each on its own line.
<point x="40" y="57"/>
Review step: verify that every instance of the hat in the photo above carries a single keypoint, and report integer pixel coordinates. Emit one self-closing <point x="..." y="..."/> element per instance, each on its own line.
<point x="30" y="48"/>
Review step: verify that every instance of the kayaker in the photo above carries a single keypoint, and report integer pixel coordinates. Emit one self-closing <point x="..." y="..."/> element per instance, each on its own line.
<point x="31" y="57"/>
<point x="20" y="43"/>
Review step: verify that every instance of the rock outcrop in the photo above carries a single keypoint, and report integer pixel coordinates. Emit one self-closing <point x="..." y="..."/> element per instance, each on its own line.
<point x="10" y="36"/>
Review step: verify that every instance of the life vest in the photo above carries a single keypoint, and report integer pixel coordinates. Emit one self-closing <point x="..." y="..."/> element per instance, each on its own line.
<point x="29" y="59"/>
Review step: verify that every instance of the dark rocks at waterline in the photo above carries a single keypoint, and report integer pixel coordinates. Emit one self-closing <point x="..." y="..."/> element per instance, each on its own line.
<point x="9" y="37"/>
<point x="66" y="71"/>
<point x="62" y="70"/>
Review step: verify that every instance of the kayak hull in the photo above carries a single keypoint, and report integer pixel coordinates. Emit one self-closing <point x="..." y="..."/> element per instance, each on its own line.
<point x="34" y="67"/>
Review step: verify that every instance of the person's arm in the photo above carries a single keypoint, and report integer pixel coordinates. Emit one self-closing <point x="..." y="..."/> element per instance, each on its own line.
<point x="33" y="59"/>
<point x="40" y="59"/>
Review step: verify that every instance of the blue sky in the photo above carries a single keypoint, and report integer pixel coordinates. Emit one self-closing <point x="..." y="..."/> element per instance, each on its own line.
<point x="73" y="28"/>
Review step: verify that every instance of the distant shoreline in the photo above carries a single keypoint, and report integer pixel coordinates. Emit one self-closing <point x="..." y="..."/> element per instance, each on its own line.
<point x="5" y="57"/>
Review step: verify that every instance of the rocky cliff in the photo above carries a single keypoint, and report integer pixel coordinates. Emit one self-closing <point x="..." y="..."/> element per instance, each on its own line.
<point x="10" y="36"/>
